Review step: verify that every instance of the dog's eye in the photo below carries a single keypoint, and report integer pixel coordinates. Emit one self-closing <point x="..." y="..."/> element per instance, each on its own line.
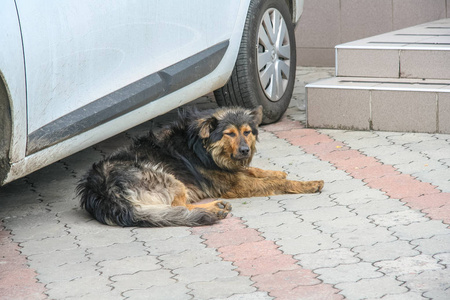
<point x="230" y="134"/>
<point x="246" y="133"/>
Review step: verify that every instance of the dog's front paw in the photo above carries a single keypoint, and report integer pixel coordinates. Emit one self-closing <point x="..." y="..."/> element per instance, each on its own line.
<point x="278" y="174"/>
<point x="307" y="187"/>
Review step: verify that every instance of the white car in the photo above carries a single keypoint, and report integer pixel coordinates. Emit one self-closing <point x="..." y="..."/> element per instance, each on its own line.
<point x="75" y="72"/>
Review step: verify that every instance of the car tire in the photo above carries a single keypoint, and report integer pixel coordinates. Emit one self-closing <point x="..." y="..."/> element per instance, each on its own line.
<point x="264" y="73"/>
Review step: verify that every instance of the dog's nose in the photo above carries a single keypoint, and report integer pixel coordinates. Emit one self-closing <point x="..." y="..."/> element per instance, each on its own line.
<point x="244" y="150"/>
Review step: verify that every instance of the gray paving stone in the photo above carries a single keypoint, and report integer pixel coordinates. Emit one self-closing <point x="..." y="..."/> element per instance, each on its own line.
<point x="189" y="258"/>
<point x="378" y="207"/>
<point x="175" y="245"/>
<point x="79" y="287"/>
<point x="371" y="288"/>
<point x="361" y="237"/>
<point x="67" y="272"/>
<point x="327" y="258"/>
<point x="307" y="244"/>
<point x="429" y="282"/>
<point x="221" y="288"/>
<point x="348" y="273"/>
<point x="345" y="186"/>
<point x="142" y="280"/>
<point x="404" y="296"/>
<point x="256" y="207"/>
<point x="434" y="245"/>
<point x="39" y="232"/>
<point x="326" y="213"/>
<point x="105" y="238"/>
<point x="385" y="251"/>
<point x="205" y="272"/>
<point x="249" y="296"/>
<point x="423" y="165"/>
<point x="363" y="195"/>
<point x="177" y="291"/>
<point x="116" y="251"/>
<point x="405" y="156"/>
<point x="272" y="219"/>
<point x="289" y="231"/>
<point x="159" y="234"/>
<point x="48" y="245"/>
<point x="444" y="258"/>
<point x="29" y="221"/>
<point x="57" y="258"/>
<point x="420" y="230"/>
<point x="346" y="224"/>
<point x="308" y="202"/>
<point x="404" y="217"/>
<point x="128" y="265"/>
<point x="408" y="265"/>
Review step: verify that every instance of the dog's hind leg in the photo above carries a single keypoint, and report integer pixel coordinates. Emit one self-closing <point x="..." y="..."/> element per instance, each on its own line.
<point x="218" y="208"/>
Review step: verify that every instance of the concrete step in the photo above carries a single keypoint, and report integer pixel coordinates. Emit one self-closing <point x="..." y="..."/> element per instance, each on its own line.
<point x="386" y="104"/>
<point x="421" y="51"/>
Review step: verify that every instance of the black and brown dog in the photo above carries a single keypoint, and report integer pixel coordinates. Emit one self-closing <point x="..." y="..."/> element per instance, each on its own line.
<point x="159" y="178"/>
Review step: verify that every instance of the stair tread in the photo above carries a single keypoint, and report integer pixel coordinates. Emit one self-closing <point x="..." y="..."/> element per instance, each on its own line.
<point x="402" y="84"/>
<point x="428" y="36"/>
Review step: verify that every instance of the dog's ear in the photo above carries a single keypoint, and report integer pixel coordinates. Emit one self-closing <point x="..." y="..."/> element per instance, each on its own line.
<point x="206" y="126"/>
<point x="257" y="114"/>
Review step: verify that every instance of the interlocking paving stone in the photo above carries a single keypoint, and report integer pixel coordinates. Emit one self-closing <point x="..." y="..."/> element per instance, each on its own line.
<point x="385" y="251"/>
<point x="142" y="280"/>
<point x="419" y="230"/>
<point x="177" y="291"/>
<point x="348" y="273"/>
<point x="221" y="288"/>
<point x="128" y="265"/>
<point x="327" y="258"/>
<point x="364" y="237"/>
<point x="95" y="285"/>
<point x="371" y="288"/>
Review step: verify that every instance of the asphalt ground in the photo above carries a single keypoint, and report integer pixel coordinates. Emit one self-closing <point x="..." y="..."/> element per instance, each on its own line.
<point x="379" y="229"/>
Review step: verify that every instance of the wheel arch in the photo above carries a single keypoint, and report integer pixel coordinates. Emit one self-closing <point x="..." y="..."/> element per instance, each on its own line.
<point x="5" y="130"/>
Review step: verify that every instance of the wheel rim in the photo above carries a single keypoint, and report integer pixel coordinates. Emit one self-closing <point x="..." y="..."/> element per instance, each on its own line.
<point x="273" y="54"/>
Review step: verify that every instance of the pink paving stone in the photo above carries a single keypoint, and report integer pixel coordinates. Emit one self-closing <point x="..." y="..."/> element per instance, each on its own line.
<point x="296" y="133"/>
<point x="356" y="162"/>
<point x="372" y="172"/>
<point x="314" y="292"/>
<point x="249" y="250"/>
<point x="233" y="237"/>
<point x="21" y="284"/>
<point x="285" y="280"/>
<point x="17" y="281"/>
<point x="266" y="265"/>
<point x="340" y="155"/>
<point x="308" y="140"/>
<point x="428" y="201"/>
<point x="227" y="224"/>
<point x="323" y="148"/>
<point x="439" y="213"/>
<point x="282" y="125"/>
<point x="401" y="186"/>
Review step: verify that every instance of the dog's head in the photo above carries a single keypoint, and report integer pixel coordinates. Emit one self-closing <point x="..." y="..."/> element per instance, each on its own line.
<point x="229" y="135"/>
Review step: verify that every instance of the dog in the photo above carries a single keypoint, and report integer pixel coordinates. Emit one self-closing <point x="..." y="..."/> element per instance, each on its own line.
<point x="158" y="180"/>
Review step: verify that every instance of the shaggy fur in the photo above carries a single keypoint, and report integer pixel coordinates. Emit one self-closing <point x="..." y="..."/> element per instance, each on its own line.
<point x="159" y="178"/>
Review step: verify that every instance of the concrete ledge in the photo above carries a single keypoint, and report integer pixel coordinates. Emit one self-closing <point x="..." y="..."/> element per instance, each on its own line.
<point x="386" y="104"/>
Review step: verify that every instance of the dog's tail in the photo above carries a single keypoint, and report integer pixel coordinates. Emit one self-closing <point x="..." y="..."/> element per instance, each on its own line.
<point x="108" y="205"/>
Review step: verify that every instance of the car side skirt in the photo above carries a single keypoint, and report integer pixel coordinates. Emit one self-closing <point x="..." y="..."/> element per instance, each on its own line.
<point x="128" y="98"/>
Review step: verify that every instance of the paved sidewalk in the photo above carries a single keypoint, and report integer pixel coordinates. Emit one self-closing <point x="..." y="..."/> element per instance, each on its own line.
<point x="379" y="230"/>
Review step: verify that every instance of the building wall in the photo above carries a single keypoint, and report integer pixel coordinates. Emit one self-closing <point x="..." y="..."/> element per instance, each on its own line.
<point x="327" y="23"/>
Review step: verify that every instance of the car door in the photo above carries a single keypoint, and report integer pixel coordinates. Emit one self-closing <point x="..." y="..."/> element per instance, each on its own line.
<point x="78" y="51"/>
